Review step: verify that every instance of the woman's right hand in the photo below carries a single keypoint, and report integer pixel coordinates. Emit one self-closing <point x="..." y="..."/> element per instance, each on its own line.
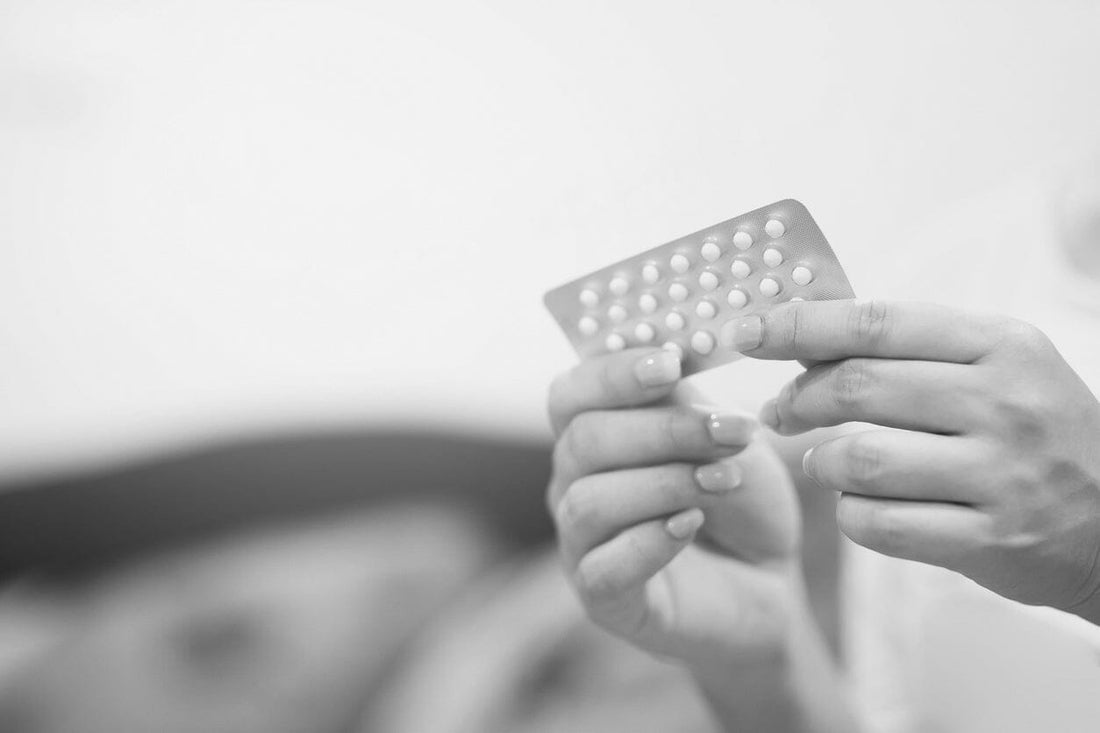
<point x="679" y="533"/>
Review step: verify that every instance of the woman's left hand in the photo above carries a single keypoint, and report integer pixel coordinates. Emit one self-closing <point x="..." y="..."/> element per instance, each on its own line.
<point x="990" y="465"/>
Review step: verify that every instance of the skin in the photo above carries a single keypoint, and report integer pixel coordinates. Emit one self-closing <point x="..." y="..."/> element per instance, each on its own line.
<point x="985" y="452"/>
<point x="725" y="599"/>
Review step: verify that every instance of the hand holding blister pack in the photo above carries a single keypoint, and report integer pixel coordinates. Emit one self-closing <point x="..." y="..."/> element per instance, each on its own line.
<point x="687" y="295"/>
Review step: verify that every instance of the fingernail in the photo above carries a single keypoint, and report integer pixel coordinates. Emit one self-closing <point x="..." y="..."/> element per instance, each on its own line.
<point x="718" y="478"/>
<point x="769" y="414"/>
<point x="747" y="333"/>
<point x="730" y="428"/>
<point x="658" y="369"/>
<point x="807" y="464"/>
<point x="685" y="524"/>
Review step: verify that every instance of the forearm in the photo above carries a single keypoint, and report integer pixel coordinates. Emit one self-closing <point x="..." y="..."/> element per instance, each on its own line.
<point x="796" y="691"/>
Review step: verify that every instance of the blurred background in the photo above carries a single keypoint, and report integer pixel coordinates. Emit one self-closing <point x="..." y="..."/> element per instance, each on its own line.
<point x="272" y="351"/>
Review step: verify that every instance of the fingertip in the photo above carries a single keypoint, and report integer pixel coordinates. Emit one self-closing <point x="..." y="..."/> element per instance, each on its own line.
<point x="658" y="368"/>
<point x="684" y="525"/>
<point x="769" y="414"/>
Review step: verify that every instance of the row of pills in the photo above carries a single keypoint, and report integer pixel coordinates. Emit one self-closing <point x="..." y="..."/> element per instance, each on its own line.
<point x="708" y="280"/>
<point x="702" y="342"/>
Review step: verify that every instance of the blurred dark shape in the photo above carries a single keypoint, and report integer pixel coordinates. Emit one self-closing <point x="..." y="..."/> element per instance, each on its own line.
<point x="76" y="525"/>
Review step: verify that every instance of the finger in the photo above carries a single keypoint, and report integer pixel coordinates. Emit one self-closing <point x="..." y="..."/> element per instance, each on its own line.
<point x="829" y="330"/>
<point x="912" y="395"/>
<point x="611" y="579"/>
<point x="602" y="441"/>
<point x="598" y="507"/>
<point x="894" y="464"/>
<point x="930" y="532"/>
<point x="624" y="379"/>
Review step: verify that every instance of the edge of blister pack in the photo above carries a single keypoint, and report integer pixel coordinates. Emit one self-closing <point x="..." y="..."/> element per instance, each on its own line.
<point x="801" y="244"/>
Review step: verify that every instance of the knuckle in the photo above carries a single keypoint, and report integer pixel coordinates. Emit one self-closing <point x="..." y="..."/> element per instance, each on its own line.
<point x="574" y="510"/>
<point x="557" y="398"/>
<point x="867" y="523"/>
<point x="1023" y="414"/>
<point x="797" y="325"/>
<point x="871" y="322"/>
<point x="1025" y="337"/>
<point x="594" y="582"/>
<point x="851" y="379"/>
<point x="679" y="431"/>
<point x="864" y="462"/>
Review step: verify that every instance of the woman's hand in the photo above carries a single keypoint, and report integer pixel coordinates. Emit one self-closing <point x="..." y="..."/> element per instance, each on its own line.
<point x="991" y="465"/>
<point x="670" y="541"/>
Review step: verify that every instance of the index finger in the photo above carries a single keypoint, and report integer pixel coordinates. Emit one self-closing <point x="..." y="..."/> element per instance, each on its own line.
<point x="830" y="330"/>
<point x="624" y="379"/>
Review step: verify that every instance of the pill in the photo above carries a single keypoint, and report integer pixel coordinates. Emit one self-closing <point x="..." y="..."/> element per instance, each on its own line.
<point x="674" y="347"/>
<point x="702" y="342"/>
<point x="773" y="257"/>
<point x="616" y="313"/>
<point x="740" y="269"/>
<point x="589" y="298"/>
<point x="644" y="333"/>
<point x="802" y="275"/>
<point x="588" y="326"/>
<point x="710" y="251"/>
<point x="737" y="298"/>
<point x="769" y="287"/>
<point x="650" y="274"/>
<point x="708" y="281"/>
<point x="742" y="240"/>
<point x="615" y="342"/>
<point x="675" y="321"/>
<point x="705" y="309"/>
<point x="679" y="264"/>
<point x="618" y="286"/>
<point x="678" y="292"/>
<point x="775" y="228"/>
<point x="797" y="299"/>
<point x="647" y="303"/>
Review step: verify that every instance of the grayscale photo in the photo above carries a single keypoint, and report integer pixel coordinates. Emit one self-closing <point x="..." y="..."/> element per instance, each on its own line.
<point x="478" y="366"/>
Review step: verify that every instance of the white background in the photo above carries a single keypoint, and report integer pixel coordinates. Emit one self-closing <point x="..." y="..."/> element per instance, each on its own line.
<point x="226" y="217"/>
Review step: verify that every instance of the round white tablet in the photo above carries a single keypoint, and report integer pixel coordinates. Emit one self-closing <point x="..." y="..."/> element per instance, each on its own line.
<point x="769" y="287"/>
<point x="644" y="333"/>
<point x="702" y="342"/>
<point x="773" y="257"/>
<point x="740" y="269"/>
<point x="647" y="303"/>
<point x="617" y="313"/>
<point x="708" y="281"/>
<point x="710" y="251"/>
<point x="775" y="228"/>
<point x="679" y="264"/>
<point x="589" y="298"/>
<point x="802" y="275"/>
<point x="615" y="342"/>
<point x="618" y="286"/>
<point x="674" y="347"/>
<point x="650" y="274"/>
<point x="675" y="321"/>
<point x="737" y="298"/>
<point x="705" y="309"/>
<point x="588" y="326"/>
<point x="678" y="292"/>
<point x="742" y="240"/>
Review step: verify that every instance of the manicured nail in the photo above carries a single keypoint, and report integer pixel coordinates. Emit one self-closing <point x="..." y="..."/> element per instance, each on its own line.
<point x="658" y="369"/>
<point x="685" y="524"/>
<point x="769" y="414"/>
<point x="747" y="333"/>
<point x="730" y="428"/>
<point x="807" y="464"/>
<point x="718" y="478"/>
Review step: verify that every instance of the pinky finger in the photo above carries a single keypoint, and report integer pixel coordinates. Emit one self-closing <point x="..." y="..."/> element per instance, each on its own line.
<point x="611" y="579"/>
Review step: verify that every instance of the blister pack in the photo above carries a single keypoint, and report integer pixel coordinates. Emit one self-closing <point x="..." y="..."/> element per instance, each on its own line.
<point x="686" y="294"/>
